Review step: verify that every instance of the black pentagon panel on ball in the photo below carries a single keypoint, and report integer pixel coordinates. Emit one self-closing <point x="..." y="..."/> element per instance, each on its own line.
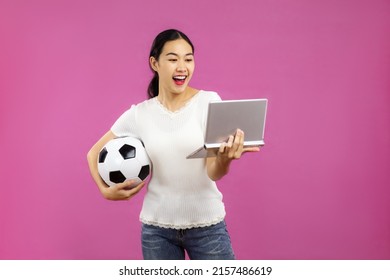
<point x="144" y="172"/>
<point x="102" y="155"/>
<point x="127" y="151"/>
<point x="117" y="177"/>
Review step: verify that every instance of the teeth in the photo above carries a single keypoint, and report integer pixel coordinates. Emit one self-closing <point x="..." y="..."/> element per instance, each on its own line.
<point x="179" y="77"/>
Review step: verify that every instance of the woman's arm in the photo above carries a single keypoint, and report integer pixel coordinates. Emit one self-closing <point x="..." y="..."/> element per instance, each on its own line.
<point x="117" y="192"/>
<point x="218" y="166"/>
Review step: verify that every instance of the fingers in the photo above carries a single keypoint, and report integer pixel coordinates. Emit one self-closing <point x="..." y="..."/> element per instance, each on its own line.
<point x="238" y="144"/>
<point x="233" y="148"/>
<point x="127" y="190"/>
<point x="235" y="145"/>
<point x="136" y="190"/>
<point x="251" y="149"/>
<point x="126" y="185"/>
<point x="225" y="147"/>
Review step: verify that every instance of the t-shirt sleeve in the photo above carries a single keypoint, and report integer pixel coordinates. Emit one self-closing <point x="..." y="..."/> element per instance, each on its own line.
<point x="214" y="96"/>
<point x="126" y="124"/>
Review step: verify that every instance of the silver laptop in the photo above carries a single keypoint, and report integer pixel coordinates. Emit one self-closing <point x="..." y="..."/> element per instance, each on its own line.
<point x="225" y="117"/>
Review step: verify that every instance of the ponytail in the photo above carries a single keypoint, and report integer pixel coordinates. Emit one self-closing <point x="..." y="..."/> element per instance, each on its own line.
<point x="153" y="86"/>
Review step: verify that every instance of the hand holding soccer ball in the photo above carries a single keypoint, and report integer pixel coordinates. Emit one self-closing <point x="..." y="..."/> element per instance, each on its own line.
<point x="124" y="165"/>
<point x="122" y="191"/>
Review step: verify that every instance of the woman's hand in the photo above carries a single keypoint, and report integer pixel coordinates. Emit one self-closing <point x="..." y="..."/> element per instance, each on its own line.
<point x="122" y="191"/>
<point x="218" y="166"/>
<point x="234" y="147"/>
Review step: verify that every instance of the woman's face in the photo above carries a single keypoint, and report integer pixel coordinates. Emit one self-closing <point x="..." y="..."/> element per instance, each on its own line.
<point x="175" y="66"/>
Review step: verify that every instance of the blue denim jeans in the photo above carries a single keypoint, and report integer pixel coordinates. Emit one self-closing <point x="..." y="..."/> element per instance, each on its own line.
<point x="203" y="243"/>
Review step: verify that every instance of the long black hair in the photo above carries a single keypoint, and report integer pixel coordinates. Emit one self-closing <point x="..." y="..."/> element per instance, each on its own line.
<point x="156" y="49"/>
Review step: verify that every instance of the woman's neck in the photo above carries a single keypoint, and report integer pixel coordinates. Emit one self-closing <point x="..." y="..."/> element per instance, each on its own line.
<point x="173" y="102"/>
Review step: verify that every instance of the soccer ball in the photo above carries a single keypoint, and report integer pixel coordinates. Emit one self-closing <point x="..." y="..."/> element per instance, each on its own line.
<point x="123" y="159"/>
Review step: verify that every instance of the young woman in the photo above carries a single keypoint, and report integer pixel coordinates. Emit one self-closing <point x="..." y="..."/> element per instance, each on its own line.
<point x="183" y="209"/>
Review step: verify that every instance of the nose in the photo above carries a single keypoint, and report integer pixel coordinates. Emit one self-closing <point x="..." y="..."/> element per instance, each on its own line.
<point x="181" y="66"/>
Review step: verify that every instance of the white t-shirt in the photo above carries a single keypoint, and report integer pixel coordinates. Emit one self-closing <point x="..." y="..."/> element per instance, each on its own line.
<point x="180" y="194"/>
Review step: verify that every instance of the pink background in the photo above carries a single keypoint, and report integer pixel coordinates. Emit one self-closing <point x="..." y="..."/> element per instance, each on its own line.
<point x="320" y="188"/>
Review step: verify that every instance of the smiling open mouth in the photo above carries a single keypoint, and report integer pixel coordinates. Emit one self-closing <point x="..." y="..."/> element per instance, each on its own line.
<point x="179" y="80"/>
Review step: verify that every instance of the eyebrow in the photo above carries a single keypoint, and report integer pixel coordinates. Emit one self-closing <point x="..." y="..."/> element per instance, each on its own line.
<point x="175" y="54"/>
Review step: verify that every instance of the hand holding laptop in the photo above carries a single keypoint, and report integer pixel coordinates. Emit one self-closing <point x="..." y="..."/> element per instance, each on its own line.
<point x="233" y="148"/>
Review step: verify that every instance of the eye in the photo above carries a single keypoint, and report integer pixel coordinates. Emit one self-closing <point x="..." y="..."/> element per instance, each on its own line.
<point x="172" y="59"/>
<point x="189" y="60"/>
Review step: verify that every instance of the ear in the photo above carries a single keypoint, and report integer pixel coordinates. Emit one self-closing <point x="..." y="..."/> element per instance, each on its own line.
<point x="153" y="63"/>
